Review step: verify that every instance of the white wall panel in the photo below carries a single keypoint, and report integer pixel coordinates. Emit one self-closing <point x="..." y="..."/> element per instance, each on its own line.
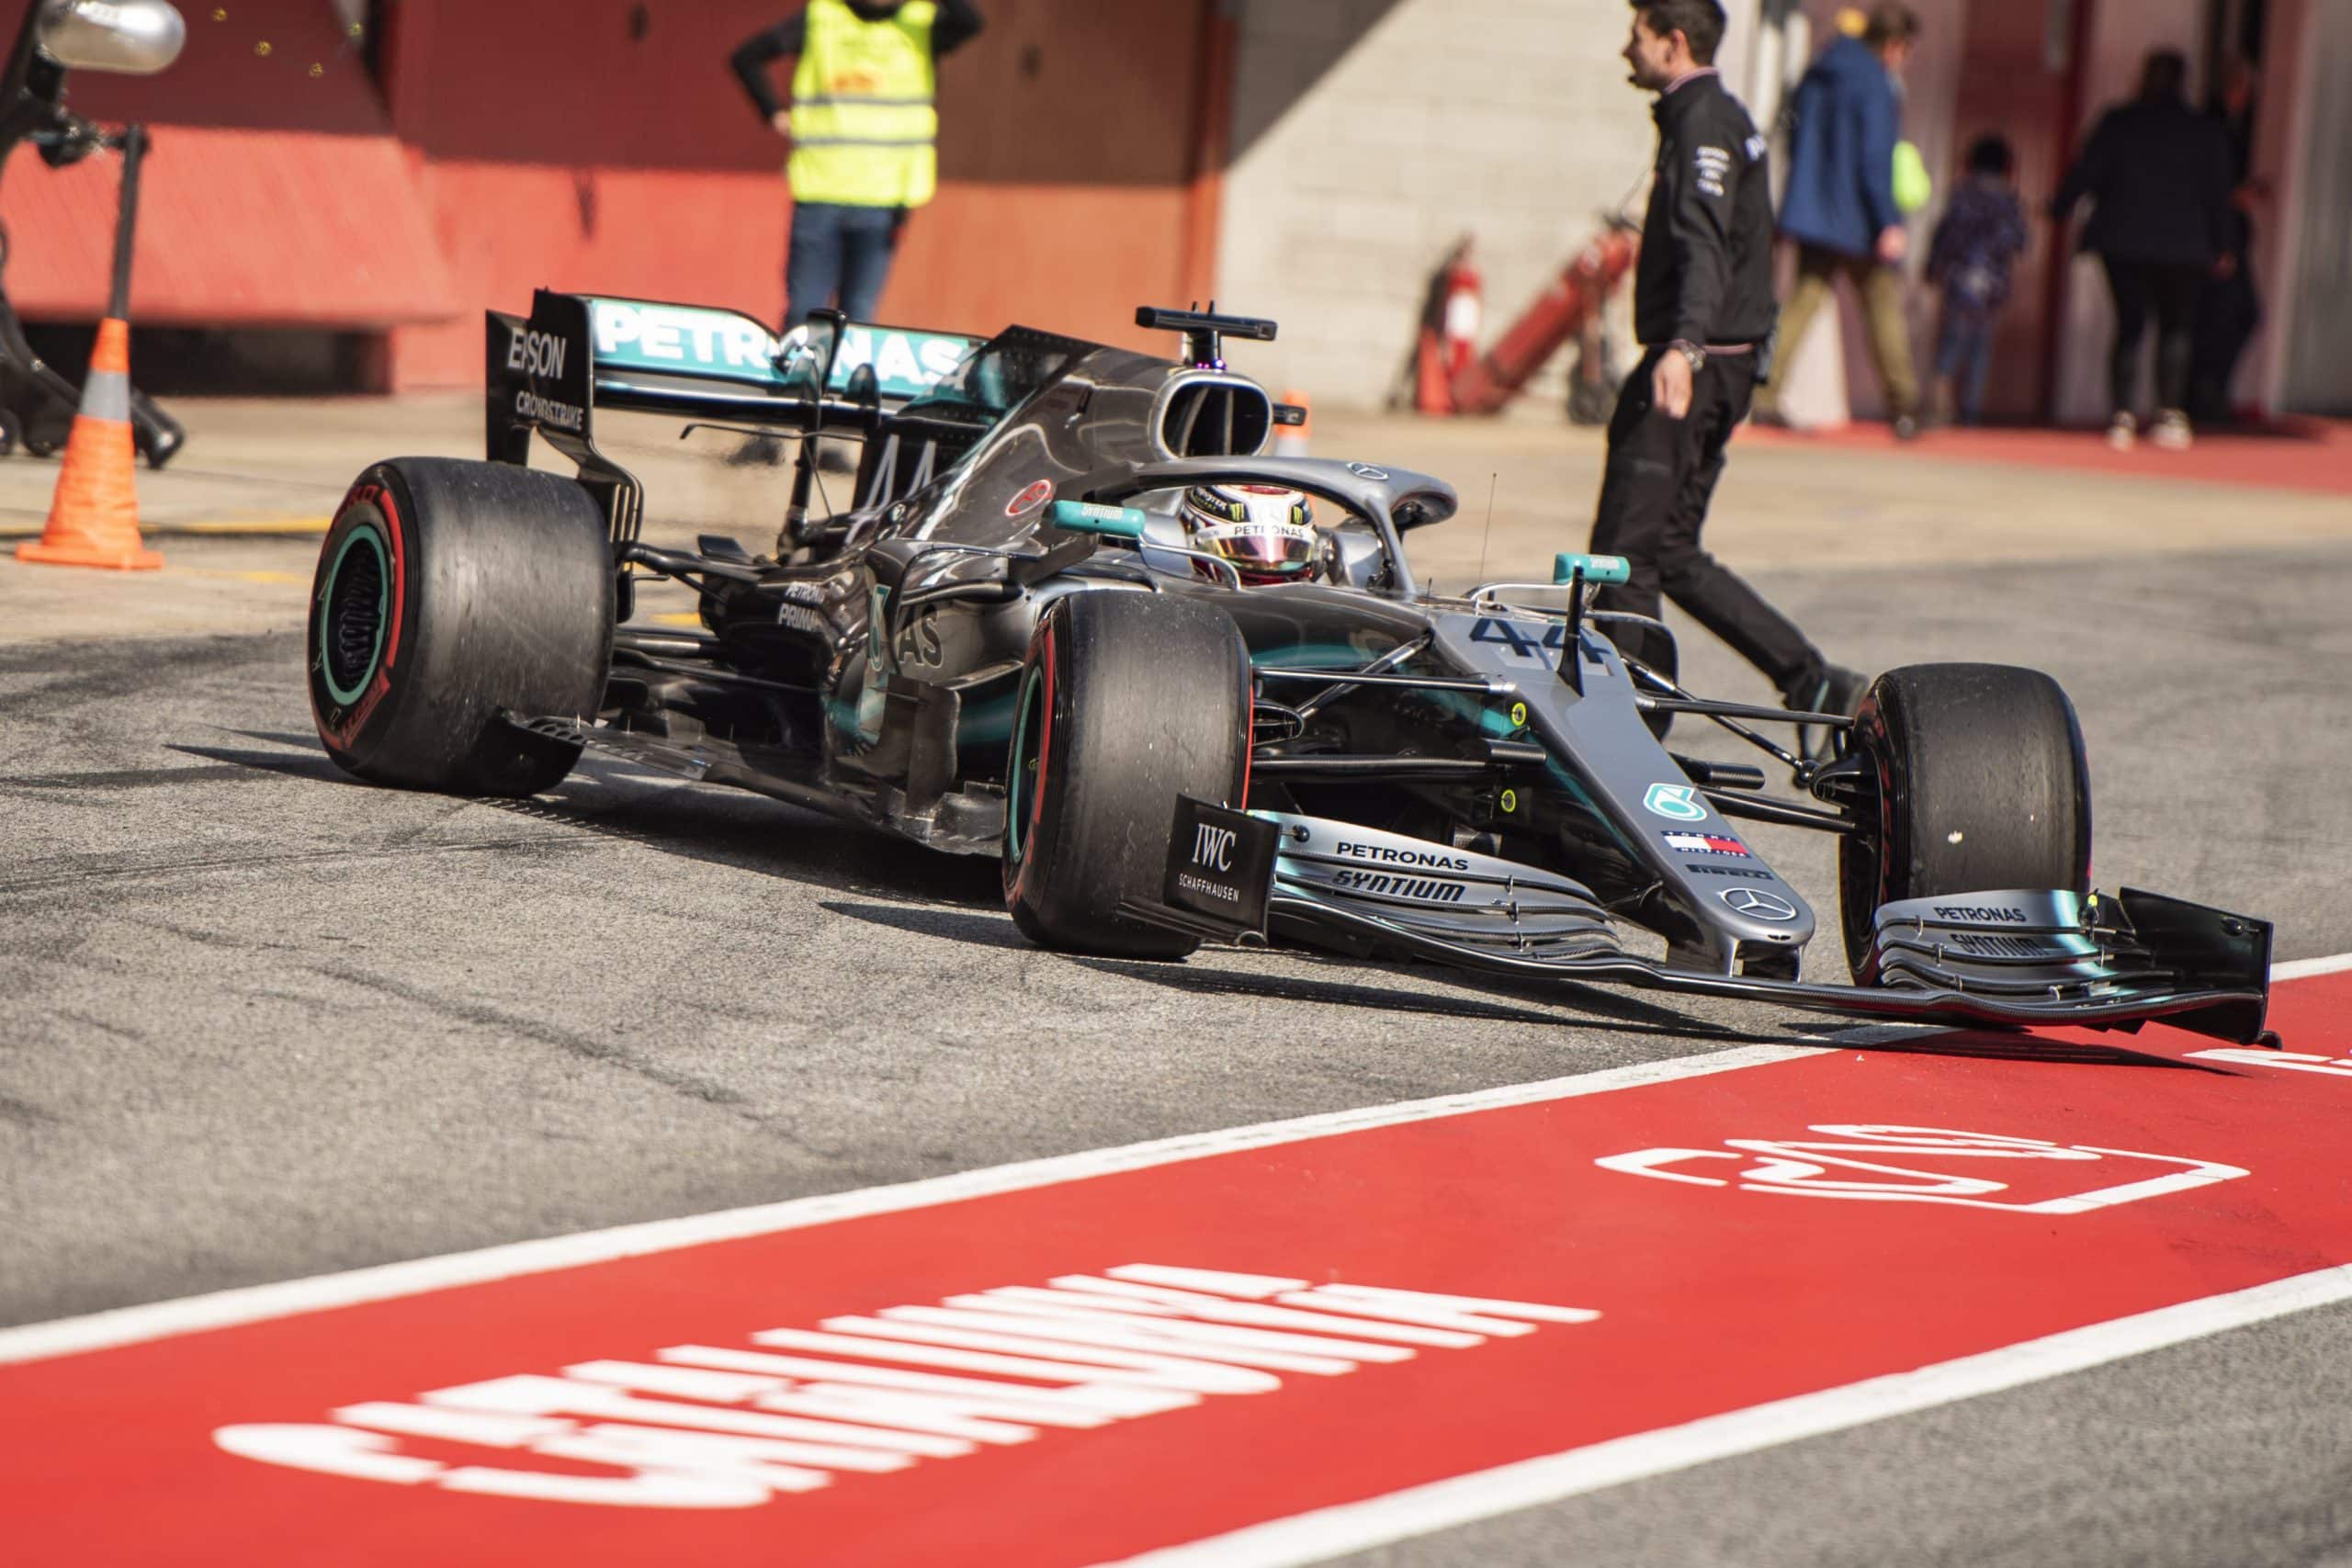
<point x="2313" y="320"/>
<point x="1369" y="137"/>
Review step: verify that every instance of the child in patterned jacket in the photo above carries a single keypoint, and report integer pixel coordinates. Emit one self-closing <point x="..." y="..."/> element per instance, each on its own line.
<point x="1981" y="236"/>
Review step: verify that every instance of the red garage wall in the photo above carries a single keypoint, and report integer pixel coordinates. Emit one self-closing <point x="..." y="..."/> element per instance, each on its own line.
<point x="273" y="196"/>
<point x="604" y="145"/>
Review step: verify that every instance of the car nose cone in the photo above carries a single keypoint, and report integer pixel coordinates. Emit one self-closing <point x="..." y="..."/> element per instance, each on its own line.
<point x="1759" y="905"/>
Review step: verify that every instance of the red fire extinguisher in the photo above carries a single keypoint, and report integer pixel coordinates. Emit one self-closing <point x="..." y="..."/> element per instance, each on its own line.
<point x="1465" y="311"/>
<point x="1448" y="336"/>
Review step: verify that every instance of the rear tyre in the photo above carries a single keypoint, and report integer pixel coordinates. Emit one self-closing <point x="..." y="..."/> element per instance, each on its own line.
<point x="1980" y="786"/>
<point x="1127" y="701"/>
<point x="446" y="593"/>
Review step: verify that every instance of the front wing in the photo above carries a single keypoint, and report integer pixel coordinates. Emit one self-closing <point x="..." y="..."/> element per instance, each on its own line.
<point x="2014" y="958"/>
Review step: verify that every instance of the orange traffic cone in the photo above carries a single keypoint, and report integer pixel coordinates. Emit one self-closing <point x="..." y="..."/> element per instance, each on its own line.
<point x="93" y="517"/>
<point x="1295" y="440"/>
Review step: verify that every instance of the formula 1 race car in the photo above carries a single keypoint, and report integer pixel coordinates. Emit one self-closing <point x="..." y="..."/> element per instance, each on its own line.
<point x="1015" y="642"/>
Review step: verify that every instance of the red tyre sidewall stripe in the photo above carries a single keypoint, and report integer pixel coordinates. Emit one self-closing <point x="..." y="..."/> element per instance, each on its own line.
<point x="400" y="581"/>
<point x="1249" y="728"/>
<point x="1029" y="856"/>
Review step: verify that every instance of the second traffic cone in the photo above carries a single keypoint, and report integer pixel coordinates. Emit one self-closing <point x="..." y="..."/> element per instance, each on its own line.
<point x="1295" y="440"/>
<point x="93" y="517"/>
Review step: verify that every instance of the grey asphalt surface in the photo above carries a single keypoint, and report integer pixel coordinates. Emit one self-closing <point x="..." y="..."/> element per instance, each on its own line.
<point x="258" y="1021"/>
<point x="2233" y="1452"/>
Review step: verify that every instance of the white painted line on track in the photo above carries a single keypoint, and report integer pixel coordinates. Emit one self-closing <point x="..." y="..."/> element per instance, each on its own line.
<point x="1464" y="1499"/>
<point x="2305" y="968"/>
<point x="255" y="1304"/>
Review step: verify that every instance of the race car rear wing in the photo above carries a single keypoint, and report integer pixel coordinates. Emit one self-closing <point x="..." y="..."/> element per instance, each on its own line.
<point x="551" y="371"/>
<point x="576" y="353"/>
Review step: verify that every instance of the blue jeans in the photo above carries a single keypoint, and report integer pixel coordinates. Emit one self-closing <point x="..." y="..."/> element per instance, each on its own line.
<point x="839" y="251"/>
<point x="1964" y="355"/>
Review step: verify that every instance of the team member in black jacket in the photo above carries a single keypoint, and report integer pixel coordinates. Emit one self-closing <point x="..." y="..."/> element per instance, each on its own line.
<point x="1703" y="304"/>
<point x="2160" y="175"/>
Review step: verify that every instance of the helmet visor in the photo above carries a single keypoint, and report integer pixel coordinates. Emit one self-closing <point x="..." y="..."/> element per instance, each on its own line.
<point x="1267" y="534"/>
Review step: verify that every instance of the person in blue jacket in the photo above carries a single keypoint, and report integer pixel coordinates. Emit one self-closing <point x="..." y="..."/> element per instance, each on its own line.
<point x="1839" y="207"/>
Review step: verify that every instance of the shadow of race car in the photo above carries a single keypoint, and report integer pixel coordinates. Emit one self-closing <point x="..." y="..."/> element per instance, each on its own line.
<point x="1008" y="644"/>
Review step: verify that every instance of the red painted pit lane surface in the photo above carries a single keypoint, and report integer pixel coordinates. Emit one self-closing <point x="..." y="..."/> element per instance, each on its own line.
<point x="1743" y="1286"/>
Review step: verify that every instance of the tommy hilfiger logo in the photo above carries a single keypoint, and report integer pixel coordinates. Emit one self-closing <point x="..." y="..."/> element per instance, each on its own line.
<point x="1705" y="844"/>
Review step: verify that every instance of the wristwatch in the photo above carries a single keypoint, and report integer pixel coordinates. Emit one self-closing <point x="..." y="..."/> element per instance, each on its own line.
<point x="1692" y="352"/>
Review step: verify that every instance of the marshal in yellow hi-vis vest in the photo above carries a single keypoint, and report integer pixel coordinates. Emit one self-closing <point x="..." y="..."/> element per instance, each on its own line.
<point x="865" y="128"/>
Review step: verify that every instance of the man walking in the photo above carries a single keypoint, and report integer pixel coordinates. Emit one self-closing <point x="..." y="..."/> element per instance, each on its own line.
<point x="865" y="132"/>
<point x="2159" y="176"/>
<point x="1703" y="304"/>
<point x="1840" y="206"/>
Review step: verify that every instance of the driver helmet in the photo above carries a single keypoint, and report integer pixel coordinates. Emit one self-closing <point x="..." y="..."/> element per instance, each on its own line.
<point x="1266" y="532"/>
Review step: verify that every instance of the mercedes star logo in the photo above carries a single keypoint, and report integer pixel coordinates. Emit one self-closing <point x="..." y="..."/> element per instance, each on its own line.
<point x="1366" y="471"/>
<point x="1760" y="905"/>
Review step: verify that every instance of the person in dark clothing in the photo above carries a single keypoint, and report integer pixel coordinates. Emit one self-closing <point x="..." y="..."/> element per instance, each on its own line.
<point x="2159" y="176"/>
<point x="1703" y="307"/>
<point x="1980" y="238"/>
<point x="1840" y="207"/>
<point x="864" y="131"/>
<point x="2231" y="307"/>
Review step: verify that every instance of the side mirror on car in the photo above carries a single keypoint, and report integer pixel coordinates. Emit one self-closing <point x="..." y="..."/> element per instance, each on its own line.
<point x="1613" y="571"/>
<point x="1106" y="522"/>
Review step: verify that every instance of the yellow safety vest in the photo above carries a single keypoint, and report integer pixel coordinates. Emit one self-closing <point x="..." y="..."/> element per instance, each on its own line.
<point x="864" y="131"/>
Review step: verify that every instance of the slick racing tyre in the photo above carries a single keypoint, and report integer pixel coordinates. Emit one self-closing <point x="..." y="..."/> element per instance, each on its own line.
<point x="446" y="593"/>
<point x="1127" y="701"/>
<point x="1980" y="786"/>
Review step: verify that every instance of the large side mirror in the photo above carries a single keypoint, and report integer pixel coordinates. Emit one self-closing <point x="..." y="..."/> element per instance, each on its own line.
<point x="134" y="38"/>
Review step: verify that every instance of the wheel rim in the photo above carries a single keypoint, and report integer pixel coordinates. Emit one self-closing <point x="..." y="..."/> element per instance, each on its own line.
<point x="354" y="605"/>
<point x="1026" y="769"/>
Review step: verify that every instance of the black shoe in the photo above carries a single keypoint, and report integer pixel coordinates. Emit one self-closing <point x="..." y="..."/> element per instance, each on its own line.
<point x="1831" y="689"/>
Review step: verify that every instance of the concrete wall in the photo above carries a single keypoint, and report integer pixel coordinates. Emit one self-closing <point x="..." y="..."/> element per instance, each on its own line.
<point x="1370" y="134"/>
<point x="2310" y="288"/>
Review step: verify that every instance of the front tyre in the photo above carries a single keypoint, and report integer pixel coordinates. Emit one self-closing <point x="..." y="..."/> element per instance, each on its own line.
<point x="1980" y="786"/>
<point x="446" y="593"/>
<point x="1127" y="701"/>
